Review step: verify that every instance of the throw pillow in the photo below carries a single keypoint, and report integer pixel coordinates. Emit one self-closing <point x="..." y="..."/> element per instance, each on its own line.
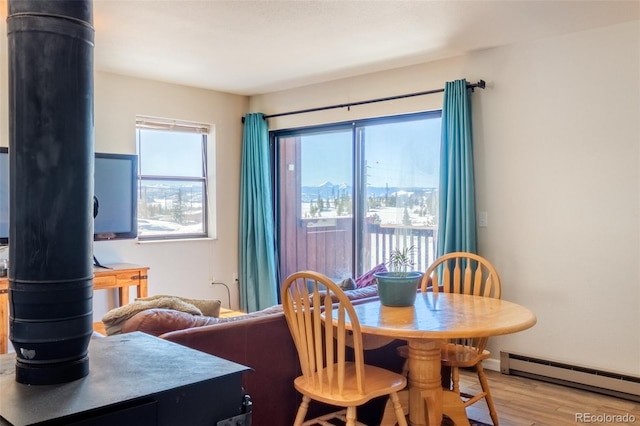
<point x="115" y="318"/>
<point x="347" y="284"/>
<point x="158" y="321"/>
<point x="367" y="278"/>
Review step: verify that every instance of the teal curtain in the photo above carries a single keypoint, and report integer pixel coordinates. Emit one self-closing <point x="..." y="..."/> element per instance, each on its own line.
<point x="457" y="207"/>
<point x="258" y="285"/>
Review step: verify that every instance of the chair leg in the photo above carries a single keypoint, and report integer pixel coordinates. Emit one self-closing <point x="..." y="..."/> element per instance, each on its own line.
<point x="351" y="416"/>
<point x="485" y="388"/>
<point x="397" y="406"/>
<point x="455" y="379"/>
<point x="302" y="411"/>
<point x="390" y="416"/>
<point x="405" y="368"/>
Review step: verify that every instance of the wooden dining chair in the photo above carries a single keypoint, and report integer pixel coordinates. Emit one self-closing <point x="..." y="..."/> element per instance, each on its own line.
<point x="465" y="273"/>
<point x="327" y="376"/>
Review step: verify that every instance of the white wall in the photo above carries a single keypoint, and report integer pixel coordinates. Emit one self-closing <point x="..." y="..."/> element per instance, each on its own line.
<point x="181" y="267"/>
<point x="557" y="138"/>
<point x="178" y="267"/>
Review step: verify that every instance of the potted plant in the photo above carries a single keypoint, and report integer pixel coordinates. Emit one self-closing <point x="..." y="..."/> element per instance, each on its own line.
<point x="398" y="286"/>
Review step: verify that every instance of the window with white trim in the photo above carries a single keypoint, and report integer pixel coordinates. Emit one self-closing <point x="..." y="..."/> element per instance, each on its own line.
<point x="172" y="179"/>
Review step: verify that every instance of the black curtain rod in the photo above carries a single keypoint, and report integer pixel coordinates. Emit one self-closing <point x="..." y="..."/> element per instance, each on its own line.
<point x="480" y="84"/>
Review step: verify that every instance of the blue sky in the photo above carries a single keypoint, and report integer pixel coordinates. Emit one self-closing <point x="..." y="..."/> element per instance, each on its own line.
<point x="403" y="154"/>
<point x="185" y="153"/>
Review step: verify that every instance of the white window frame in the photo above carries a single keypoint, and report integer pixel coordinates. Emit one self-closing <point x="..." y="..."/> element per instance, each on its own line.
<point x="169" y="125"/>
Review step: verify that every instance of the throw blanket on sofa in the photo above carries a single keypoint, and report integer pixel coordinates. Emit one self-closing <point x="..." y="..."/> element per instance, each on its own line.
<point x="114" y="319"/>
<point x="208" y="307"/>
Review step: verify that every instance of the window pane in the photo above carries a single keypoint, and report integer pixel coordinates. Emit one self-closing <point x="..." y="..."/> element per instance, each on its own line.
<point x="315" y="194"/>
<point x="170" y="153"/>
<point x="170" y="208"/>
<point x="401" y="192"/>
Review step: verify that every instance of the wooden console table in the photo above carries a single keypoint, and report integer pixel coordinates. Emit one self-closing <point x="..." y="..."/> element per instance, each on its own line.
<point x="118" y="276"/>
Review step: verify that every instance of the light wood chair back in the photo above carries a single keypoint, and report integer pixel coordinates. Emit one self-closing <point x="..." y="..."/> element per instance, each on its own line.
<point x="465" y="273"/>
<point x="305" y="296"/>
<point x="327" y="374"/>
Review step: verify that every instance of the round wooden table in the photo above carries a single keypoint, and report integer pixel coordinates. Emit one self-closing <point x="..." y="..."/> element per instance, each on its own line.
<point x="427" y="326"/>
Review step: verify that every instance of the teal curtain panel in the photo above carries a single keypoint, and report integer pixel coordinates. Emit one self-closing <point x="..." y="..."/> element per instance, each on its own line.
<point x="258" y="285"/>
<point x="457" y="208"/>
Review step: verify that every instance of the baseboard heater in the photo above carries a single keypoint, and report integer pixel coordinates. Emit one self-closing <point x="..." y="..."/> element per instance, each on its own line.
<point x="614" y="384"/>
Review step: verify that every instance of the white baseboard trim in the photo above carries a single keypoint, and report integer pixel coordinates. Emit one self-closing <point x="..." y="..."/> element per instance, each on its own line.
<point x="607" y="382"/>
<point x="491" y="364"/>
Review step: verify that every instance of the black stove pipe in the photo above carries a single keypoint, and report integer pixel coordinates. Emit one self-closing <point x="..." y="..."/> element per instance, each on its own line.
<point x="51" y="154"/>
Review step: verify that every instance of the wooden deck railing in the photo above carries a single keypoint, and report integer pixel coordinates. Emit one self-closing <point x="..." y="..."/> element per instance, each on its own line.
<point x="384" y="239"/>
<point x="324" y="245"/>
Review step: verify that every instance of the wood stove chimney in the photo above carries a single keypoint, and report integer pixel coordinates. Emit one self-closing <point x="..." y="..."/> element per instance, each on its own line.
<point x="51" y="152"/>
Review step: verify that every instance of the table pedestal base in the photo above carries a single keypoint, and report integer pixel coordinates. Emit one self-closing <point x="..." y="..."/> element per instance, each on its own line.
<point x="425" y="389"/>
<point x="427" y="400"/>
<point x="453" y="407"/>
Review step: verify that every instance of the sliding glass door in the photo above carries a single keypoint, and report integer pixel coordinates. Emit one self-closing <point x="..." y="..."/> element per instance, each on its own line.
<point x="346" y="194"/>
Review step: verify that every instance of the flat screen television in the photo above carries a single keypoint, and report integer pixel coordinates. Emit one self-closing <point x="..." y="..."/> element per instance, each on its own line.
<point x="116" y="197"/>
<point x="115" y="189"/>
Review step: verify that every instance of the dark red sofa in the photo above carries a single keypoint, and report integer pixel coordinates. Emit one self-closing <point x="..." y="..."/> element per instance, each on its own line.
<point x="262" y="341"/>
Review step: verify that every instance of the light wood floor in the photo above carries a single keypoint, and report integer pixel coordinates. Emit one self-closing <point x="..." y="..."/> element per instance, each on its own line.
<point x="526" y="402"/>
<point x="227" y="313"/>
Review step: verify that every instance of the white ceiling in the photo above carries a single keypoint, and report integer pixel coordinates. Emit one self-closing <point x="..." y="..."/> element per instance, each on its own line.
<point x="253" y="47"/>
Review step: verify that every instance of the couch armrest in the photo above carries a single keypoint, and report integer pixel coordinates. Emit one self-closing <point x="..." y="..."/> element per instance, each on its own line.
<point x="263" y="343"/>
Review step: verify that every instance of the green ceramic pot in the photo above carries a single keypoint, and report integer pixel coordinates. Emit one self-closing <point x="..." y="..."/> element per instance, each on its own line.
<point x="398" y="288"/>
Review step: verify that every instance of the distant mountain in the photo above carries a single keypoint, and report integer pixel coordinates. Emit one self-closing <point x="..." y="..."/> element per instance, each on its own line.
<point x="328" y="190"/>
